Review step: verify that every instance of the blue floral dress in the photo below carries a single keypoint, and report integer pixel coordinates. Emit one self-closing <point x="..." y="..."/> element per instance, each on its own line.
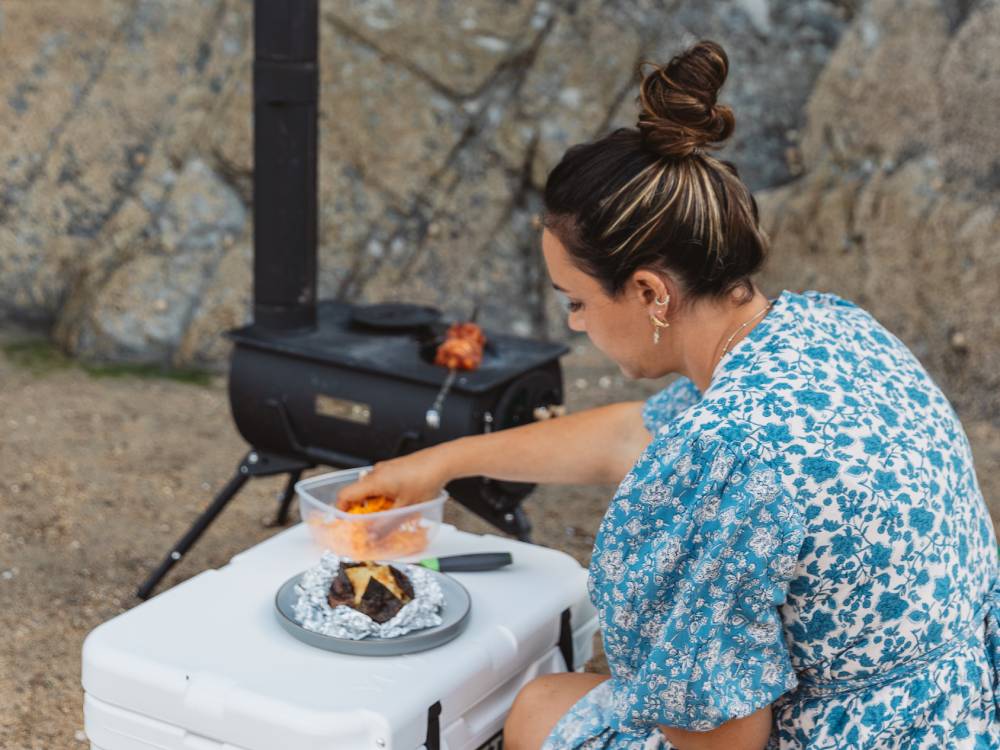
<point x="808" y="533"/>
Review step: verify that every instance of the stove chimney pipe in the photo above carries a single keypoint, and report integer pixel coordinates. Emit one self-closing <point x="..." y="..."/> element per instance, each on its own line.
<point x="285" y="96"/>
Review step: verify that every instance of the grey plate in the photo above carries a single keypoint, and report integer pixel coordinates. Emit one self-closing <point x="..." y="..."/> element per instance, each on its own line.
<point x="454" y="617"/>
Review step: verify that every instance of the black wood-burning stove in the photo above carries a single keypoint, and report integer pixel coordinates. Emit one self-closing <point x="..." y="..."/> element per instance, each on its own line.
<point x="338" y="384"/>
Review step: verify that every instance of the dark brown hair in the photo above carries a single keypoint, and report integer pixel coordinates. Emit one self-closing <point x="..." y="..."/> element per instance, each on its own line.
<point x="653" y="197"/>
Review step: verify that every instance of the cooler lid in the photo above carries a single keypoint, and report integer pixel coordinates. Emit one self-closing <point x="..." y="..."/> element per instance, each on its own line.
<point x="210" y="656"/>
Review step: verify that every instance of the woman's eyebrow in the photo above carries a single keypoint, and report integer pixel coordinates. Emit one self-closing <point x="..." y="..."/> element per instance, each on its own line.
<point x="557" y="287"/>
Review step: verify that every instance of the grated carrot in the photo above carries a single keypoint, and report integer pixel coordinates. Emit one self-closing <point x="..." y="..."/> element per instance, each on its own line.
<point x="369" y="540"/>
<point x="370" y="504"/>
<point x="356" y="540"/>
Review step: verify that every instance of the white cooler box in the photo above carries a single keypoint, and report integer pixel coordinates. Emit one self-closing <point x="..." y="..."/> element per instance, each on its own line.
<point x="206" y="666"/>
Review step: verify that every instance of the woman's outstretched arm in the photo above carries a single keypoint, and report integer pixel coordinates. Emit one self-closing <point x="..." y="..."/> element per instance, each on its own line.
<point x="595" y="446"/>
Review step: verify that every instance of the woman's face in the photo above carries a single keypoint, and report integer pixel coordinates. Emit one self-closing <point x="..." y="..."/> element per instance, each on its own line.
<point x="619" y="326"/>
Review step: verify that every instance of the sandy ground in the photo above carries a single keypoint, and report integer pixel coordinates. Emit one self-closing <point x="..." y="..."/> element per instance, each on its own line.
<point x="99" y="475"/>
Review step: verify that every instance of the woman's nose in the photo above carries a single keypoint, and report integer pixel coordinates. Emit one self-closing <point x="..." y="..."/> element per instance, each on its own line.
<point x="575" y="322"/>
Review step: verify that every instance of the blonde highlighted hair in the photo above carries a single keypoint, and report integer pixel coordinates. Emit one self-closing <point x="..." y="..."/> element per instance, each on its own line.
<point x="653" y="195"/>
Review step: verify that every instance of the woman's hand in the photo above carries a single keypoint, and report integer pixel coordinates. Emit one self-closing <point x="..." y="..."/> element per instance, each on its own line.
<point x="409" y="479"/>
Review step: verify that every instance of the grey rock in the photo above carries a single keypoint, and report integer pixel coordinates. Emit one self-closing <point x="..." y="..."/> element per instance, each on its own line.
<point x="102" y="88"/>
<point x="141" y="308"/>
<point x="434" y="118"/>
<point x="454" y="47"/>
<point x="775" y="60"/>
<point x="203" y="214"/>
<point x="581" y="66"/>
<point x="897" y="209"/>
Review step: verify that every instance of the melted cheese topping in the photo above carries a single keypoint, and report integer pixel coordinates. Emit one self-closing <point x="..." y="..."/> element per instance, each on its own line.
<point x="361" y="574"/>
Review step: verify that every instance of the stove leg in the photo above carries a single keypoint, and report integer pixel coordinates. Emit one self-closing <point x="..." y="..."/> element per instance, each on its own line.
<point x="198" y="528"/>
<point x="286" y="499"/>
<point x="522" y="525"/>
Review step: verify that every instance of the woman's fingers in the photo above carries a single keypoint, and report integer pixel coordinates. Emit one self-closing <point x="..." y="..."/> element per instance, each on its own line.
<point x="406" y="480"/>
<point x="370" y="484"/>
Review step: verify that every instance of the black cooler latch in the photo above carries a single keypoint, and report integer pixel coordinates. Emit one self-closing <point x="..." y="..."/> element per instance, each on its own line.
<point x="566" y="640"/>
<point x="433" y="741"/>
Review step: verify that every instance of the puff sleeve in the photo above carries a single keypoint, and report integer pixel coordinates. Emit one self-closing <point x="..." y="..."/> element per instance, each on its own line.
<point x="691" y="565"/>
<point x="664" y="405"/>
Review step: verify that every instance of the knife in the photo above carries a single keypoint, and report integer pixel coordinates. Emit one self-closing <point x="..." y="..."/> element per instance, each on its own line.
<point x="468" y="563"/>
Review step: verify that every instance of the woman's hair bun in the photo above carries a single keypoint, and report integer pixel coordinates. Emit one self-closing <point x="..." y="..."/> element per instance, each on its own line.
<point x="679" y="113"/>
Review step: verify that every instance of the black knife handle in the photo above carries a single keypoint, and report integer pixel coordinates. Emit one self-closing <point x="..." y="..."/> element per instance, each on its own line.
<point x="474" y="562"/>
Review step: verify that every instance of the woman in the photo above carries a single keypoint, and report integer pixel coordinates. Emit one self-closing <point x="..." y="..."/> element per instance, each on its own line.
<point x="798" y="554"/>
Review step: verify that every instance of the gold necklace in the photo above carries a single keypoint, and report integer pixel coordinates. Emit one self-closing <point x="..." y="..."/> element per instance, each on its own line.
<point x="733" y="334"/>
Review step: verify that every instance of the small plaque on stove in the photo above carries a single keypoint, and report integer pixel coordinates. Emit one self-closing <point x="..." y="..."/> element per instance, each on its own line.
<point x="341" y="408"/>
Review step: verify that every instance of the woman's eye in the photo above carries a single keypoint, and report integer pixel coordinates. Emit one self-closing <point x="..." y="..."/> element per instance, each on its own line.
<point x="567" y="303"/>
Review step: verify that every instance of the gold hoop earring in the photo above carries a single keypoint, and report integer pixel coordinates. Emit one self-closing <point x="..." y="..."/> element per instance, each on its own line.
<point x="658" y="324"/>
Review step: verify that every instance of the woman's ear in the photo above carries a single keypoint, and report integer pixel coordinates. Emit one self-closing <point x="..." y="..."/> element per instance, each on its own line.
<point x="650" y="287"/>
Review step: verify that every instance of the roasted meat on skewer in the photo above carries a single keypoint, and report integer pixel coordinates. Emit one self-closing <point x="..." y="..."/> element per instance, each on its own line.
<point x="462" y="348"/>
<point x="469" y="331"/>
<point x="459" y="354"/>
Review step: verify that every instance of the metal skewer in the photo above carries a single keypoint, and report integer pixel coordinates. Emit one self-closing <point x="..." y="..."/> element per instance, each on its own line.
<point x="433" y="416"/>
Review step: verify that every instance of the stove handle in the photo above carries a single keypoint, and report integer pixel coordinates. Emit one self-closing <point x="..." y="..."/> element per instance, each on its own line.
<point x="406" y="437"/>
<point x="316" y="455"/>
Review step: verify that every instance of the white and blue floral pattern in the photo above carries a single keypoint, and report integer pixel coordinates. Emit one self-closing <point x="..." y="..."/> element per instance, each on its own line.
<point x="809" y="533"/>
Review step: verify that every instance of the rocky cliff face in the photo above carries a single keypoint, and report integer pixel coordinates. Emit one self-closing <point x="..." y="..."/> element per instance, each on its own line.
<point x="113" y="220"/>
<point x="125" y="219"/>
<point x="899" y="204"/>
<point x="866" y="128"/>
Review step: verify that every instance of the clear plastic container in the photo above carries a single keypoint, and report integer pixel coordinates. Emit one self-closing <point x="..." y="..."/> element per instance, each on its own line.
<point x="383" y="535"/>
